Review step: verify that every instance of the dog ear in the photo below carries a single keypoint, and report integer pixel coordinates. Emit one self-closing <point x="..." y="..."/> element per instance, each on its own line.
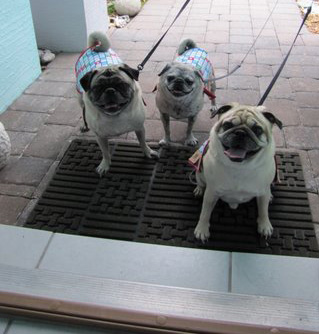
<point x="197" y="72"/>
<point x="272" y="119"/>
<point x="131" y="72"/>
<point x="165" y="69"/>
<point x="85" y="81"/>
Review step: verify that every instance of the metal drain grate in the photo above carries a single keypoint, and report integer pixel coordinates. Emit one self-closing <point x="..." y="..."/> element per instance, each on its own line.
<point x="152" y="201"/>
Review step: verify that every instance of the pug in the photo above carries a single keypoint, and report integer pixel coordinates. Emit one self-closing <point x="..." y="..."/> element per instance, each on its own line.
<point x="238" y="165"/>
<point x="181" y="86"/>
<point x="111" y="96"/>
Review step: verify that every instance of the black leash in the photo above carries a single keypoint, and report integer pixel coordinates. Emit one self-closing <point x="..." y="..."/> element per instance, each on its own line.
<point x="262" y="100"/>
<point x="142" y="64"/>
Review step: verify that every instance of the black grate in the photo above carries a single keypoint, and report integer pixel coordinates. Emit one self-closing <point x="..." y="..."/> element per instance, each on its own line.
<point x="152" y="201"/>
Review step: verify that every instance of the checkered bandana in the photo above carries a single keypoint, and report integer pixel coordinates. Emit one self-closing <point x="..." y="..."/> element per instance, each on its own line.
<point x="198" y="58"/>
<point x="89" y="60"/>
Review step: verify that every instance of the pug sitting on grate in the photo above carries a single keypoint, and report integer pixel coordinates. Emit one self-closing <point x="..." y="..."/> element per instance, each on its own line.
<point x="111" y="96"/>
<point x="238" y="165"/>
<point x="180" y="91"/>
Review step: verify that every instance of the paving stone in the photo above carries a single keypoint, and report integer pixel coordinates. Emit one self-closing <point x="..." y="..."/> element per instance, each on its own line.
<point x="311" y="71"/>
<point x="68" y="112"/>
<point x="310" y="39"/>
<point x="314" y="160"/>
<point x="10" y="208"/>
<point x="49" y="88"/>
<point x="233" y="48"/>
<point x="314" y="207"/>
<point x="310" y="179"/>
<point x="148" y="81"/>
<point x="239" y="95"/>
<point x="47" y="144"/>
<point x="64" y="60"/>
<point x="25" y="170"/>
<point x="281" y="88"/>
<point x="243" y="82"/>
<point x="256" y="70"/>
<point x="162" y="53"/>
<point x="22" y="121"/>
<point x="309" y="116"/>
<point x="219" y="60"/>
<point x="18" y="190"/>
<point x="217" y="26"/>
<point x="268" y="57"/>
<point x="221" y="37"/>
<point x="151" y="109"/>
<point x="302" y="138"/>
<point x="279" y="137"/>
<point x="285" y="110"/>
<point x="242" y="39"/>
<point x="238" y="57"/>
<point x="267" y="42"/>
<point x="306" y="99"/>
<point x="58" y="74"/>
<point x="304" y="85"/>
<point x="290" y="71"/>
<point x="149" y="35"/>
<point x="36" y="103"/>
<point x="20" y="141"/>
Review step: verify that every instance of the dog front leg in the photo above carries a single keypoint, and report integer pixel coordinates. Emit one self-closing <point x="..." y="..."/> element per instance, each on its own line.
<point x="167" y="132"/>
<point x="202" y="228"/>
<point x="264" y="226"/>
<point x="211" y="86"/>
<point x="104" y="166"/>
<point x="190" y="139"/>
<point x="149" y="153"/>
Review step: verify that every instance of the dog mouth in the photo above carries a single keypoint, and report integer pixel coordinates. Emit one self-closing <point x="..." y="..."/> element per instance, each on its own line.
<point x="112" y="108"/>
<point x="178" y="92"/>
<point x="239" y="154"/>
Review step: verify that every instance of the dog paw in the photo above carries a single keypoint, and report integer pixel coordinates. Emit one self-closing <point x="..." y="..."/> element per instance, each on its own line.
<point x="164" y="142"/>
<point x="198" y="191"/>
<point x="103" y="167"/>
<point x="264" y="227"/>
<point x="202" y="232"/>
<point x="191" y="141"/>
<point x="151" y="154"/>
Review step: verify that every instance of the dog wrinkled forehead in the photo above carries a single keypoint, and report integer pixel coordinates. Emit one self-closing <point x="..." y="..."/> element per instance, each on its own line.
<point x="240" y="114"/>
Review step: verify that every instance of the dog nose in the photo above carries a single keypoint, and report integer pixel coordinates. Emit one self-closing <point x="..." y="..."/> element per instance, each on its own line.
<point x="110" y="91"/>
<point x="108" y="73"/>
<point x="240" y="134"/>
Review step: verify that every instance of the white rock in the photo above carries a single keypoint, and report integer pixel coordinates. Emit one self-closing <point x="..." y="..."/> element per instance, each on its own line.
<point x="5" y="146"/>
<point x="127" y="7"/>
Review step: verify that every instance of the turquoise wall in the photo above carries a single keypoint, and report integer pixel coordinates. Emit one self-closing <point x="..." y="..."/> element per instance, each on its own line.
<point x="19" y="61"/>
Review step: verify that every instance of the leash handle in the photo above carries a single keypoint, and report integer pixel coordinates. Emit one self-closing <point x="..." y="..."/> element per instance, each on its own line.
<point x="262" y="100"/>
<point x="148" y="56"/>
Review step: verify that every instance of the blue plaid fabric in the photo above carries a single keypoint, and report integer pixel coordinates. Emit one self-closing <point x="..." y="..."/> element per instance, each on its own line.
<point x="90" y="60"/>
<point x="198" y="58"/>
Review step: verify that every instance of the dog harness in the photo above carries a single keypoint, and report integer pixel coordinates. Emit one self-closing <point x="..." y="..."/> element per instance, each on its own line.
<point x="198" y="58"/>
<point x="196" y="160"/>
<point x="90" y="60"/>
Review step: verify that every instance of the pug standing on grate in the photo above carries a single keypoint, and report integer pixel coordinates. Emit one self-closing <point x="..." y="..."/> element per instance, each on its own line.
<point x="238" y="165"/>
<point x="111" y="96"/>
<point x="180" y="91"/>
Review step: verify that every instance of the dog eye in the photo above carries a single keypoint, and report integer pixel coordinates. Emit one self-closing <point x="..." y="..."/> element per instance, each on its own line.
<point x="257" y="130"/>
<point x="170" y="78"/>
<point x="227" y="125"/>
<point x="189" y="81"/>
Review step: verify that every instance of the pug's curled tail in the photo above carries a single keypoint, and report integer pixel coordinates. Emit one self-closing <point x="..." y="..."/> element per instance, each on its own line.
<point x="98" y="37"/>
<point x="186" y="45"/>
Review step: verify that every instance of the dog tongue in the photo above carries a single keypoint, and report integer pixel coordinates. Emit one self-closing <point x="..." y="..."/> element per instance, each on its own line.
<point x="235" y="153"/>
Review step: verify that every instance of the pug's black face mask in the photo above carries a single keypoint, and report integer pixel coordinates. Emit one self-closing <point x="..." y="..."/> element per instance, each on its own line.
<point x="110" y="92"/>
